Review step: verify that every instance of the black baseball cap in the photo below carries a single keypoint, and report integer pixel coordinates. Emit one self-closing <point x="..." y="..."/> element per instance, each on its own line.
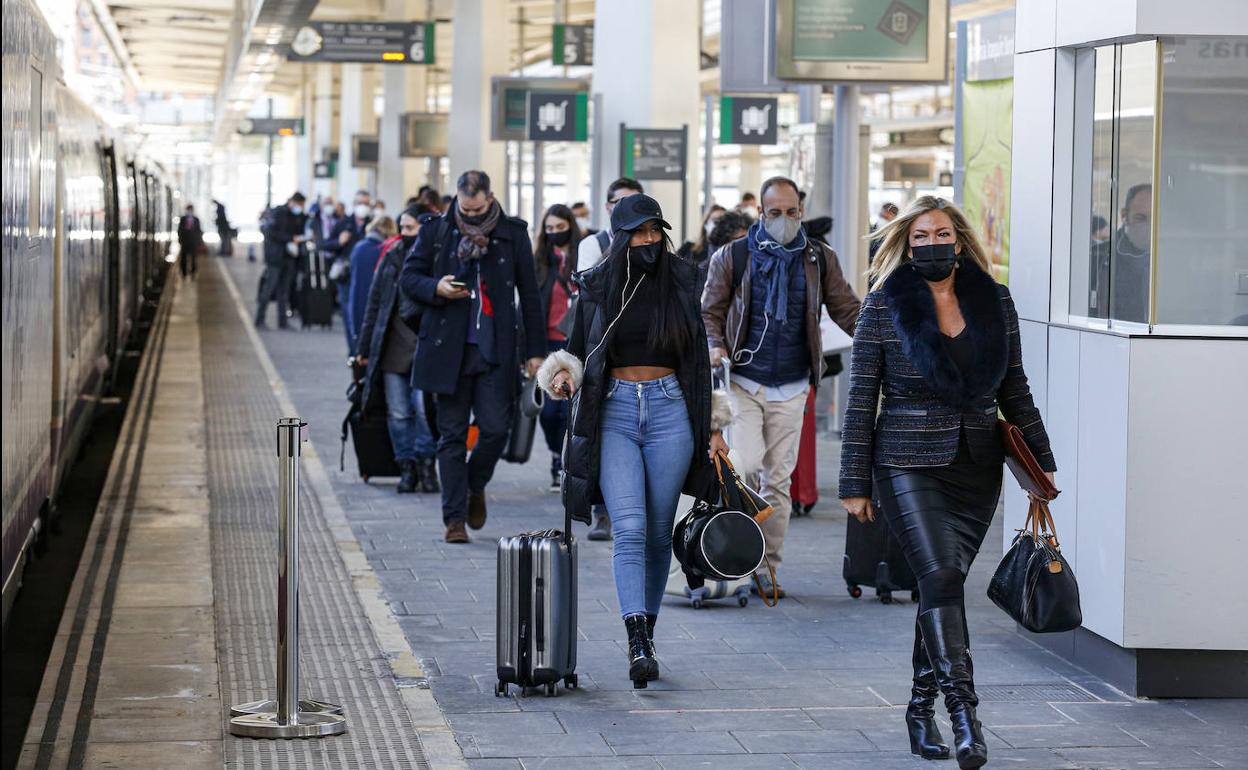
<point x="634" y="210"/>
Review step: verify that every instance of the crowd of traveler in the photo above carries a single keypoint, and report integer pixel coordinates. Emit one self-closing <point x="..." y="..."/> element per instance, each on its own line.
<point x="448" y="310"/>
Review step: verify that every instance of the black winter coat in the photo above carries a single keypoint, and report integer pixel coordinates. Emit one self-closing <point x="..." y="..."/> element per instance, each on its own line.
<point x="387" y="305"/>
<point x="506" y="269"/>
<point x="926" y="399"/>
<point x="282" y="227"/>
<point x="581" y="453"/>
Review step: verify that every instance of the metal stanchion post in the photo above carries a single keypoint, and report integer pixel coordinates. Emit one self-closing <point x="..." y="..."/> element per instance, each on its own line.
<point x="288" y="716"/>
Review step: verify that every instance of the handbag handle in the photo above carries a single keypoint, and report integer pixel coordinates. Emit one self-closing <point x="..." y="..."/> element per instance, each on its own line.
<point x="1040" y="521"/>
<point x="775" y="588"/>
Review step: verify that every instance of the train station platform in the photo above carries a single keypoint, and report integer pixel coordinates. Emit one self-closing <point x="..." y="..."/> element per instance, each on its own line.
<point x="172" y="616"/>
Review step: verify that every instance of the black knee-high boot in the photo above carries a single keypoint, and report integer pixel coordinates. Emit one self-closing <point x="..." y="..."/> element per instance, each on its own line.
<point x="944" y="637"/>
<point x="925" y="738"/>
<point x="642" y="667"/>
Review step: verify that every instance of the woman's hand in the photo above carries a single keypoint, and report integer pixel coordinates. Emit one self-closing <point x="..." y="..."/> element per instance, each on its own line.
<point x="860" y="508"/>
<point x="562" y="383"/>
<point x="718" y="445"/>
<point x="1051" y="481"/>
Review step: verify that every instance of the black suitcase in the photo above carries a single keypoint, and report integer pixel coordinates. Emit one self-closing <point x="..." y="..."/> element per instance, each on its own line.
<point x="536" y="612"/>
<point x="317" y="298"/>
<point x="370" y="437"/>
<point x="873" y="557"/>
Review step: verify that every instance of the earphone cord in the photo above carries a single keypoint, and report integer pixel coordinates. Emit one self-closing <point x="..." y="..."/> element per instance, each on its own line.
<point x="628" y="276"/>
<point x="736" y="359"/>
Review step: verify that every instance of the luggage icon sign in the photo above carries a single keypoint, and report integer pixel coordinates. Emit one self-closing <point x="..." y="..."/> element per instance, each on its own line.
<point x="552" y="116"/>
<point x="755" y="120"/>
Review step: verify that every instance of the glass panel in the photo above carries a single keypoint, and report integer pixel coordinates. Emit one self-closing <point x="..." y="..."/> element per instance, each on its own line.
<point x="1130" y="262"/>
<point x="1202" y="250"/>
<point x="1092" y="215"/>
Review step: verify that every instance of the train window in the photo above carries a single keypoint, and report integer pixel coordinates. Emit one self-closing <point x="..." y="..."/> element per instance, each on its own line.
<point x="36" y="150"/>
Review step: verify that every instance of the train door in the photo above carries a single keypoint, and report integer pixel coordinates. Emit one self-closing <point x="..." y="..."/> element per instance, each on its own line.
<point x="138" y="226"/>
<point x="112" y="251"/>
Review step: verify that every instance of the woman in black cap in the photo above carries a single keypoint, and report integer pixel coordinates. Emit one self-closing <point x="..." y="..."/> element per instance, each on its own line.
<point x="644" y="424"/>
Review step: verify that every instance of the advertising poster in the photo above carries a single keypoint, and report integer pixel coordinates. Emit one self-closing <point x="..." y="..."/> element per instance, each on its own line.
<point x="987" y="111"/>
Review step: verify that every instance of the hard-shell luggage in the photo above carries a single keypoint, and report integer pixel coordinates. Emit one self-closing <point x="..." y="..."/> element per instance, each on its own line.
<point x="873" y="557"/>
<point x="317" y="298"/>
<point x="536" y="612"/>
<point x="805" y="482"/>
<point x="710" y="591"/>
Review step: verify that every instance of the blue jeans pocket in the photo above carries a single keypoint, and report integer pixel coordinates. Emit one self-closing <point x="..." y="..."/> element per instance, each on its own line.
<point x="672" y="390"/>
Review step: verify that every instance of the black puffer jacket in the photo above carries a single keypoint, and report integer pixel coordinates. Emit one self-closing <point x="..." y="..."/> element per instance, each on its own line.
<point x="387" y="305"/>
<point x="582" y="446"/>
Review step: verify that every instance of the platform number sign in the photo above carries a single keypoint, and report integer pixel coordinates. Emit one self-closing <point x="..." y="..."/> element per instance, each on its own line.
<point x="572" y="44"/>
<point x="557" y="116"/>
<point x="747" y="120"/>
<point x="397" y="42"/>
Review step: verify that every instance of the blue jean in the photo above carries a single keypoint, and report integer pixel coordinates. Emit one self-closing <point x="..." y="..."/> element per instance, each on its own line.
<point x="647" y="447"/>
<point x="405" y="417"/>
<point x="344" y="304"/>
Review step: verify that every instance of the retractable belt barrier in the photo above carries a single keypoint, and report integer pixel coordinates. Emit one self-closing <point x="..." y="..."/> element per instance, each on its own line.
<point x="288" y="716"/>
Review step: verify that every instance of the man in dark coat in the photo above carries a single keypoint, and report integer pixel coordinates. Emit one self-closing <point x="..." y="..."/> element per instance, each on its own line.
<point x="283" y="240"/>
<point x="467" y="268"/>
<point x="190" y="240"/>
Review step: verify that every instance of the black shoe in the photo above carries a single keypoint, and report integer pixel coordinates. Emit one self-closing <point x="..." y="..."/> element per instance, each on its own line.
<point x="642" y="667"/>
<point x="408" y="477"/>
<point x="944" y="638"/>
<point x="650" y="621"/>
<point x="428" y="469"/>
<point x="556" y="470"/>
<point x="476" y="509"/>
<point x="601" y="530"/>
<point x="260" y="324"/>
<point x="925" y="738"/>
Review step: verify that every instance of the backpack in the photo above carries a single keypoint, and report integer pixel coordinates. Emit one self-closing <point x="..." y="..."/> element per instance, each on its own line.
<point x="604" y="240"/>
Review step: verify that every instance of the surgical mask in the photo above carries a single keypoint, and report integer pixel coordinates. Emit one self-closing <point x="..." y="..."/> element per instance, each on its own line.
<point x="782" y="229"/>
<point x="560" y="238"/>
<point x="708" y="227"/>
<point x="583" y="223"/>
<point x="296" y="210"/>
<point x="379" y="212"/>
<point x="408" y="242"/>
<point x="935" y="261"/>
<point x="362" y="210"/>
<point x="645" y="257"/>
<point x="1140" y="233"/>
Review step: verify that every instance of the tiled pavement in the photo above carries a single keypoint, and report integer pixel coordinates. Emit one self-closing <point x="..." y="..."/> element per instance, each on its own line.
<point x="817" y="682"/>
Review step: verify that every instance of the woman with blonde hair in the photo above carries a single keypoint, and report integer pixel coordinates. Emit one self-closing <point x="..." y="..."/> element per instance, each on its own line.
<point x="938" y="338"/>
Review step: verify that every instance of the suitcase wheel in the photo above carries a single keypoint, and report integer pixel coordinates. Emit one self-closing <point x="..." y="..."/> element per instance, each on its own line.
<point x="552" y="690"/>
<point x="854" y="590"/>
<point x="886" y="597"/>
<point x="364" y="477"/>
<point x="914" y="595"/>
<point x="570" y="681"/>
<point x="500" y="689"/>
<point x="807" y="508"/>
<point x="742" y="601"/>
<point x="697" y="603"/>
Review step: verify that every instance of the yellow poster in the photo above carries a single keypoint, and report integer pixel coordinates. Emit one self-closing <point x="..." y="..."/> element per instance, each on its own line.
<point x="987" y="126"/>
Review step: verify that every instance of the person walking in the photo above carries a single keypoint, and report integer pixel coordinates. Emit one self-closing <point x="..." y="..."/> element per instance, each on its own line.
<point x="387" y="344"/>
<point x="365" y="257"/>
<point x="766" y="321"/>
<point x="553" y="255"/>
<point x="225" y="233"/>
<point x="592" y="250"/>
<point x="698" y="252"/>
<point x="645" y="424"/>
<point x="888" y="212"/>
<point x="283" y="238"/>
<point x="939" y="338"/>
<point x="190" y="241"/>
<point x="349" y="230"/>
<point x="467" y="267"/>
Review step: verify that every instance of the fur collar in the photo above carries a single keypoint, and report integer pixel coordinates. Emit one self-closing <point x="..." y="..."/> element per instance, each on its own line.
<point x="913" y="312"/>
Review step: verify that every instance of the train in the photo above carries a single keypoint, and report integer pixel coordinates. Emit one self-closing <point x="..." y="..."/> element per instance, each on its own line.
<point x="88" y="224"/>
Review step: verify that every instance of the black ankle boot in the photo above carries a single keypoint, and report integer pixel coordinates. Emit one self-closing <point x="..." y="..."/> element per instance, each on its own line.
<point x="925" y="738"/>
<point x="642" y="667"/>
<point x="650" y="621"/>
<point x="944" y="638"/>
<point x="429" y="475"/>
<point x="408" y="477"/>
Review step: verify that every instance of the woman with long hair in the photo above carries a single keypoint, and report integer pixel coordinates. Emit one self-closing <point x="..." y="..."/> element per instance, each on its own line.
<point x="698" y="252"/>
<point x="644" y="423"/>
<point x="938" y="337"/>
<point x="554" y="255"/>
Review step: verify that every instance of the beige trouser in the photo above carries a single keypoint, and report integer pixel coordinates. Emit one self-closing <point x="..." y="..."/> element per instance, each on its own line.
<point x="765" y="438"/>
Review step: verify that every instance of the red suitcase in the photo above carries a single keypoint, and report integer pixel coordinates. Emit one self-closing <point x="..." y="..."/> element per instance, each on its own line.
<point x="805" y="488"/>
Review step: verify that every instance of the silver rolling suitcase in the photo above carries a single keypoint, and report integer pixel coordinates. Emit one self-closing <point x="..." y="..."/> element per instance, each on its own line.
<point x="536" y="624"/>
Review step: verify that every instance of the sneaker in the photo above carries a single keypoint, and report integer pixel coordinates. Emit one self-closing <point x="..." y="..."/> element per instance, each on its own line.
<point x="455" y="533"/>
<point x="764" y="580"/>
<point x="476" y="509"/>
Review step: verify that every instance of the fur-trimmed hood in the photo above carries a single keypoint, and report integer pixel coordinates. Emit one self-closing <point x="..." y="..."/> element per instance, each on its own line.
<point x="913" y="311"/>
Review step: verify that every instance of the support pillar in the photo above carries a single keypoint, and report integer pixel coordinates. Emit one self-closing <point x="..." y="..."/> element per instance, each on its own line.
<point x="350" y="113"/>
<point x="397" y="177"/>
<point x="321" y="126"/>
<point x="646" y="73"/>
<point x="481" y="52"/>
<point x="750" y="178"/>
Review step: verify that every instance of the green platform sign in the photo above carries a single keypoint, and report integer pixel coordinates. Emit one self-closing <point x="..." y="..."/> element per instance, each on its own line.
<point x="747" y="120"/>
<point x="572" y="44"/>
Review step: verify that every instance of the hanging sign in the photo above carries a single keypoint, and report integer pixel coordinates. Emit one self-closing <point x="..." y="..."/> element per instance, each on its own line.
<point x="271" y="126"/>
<point x="572" y="44"/>
<point x="557" y="116"/>
<point x="747" y="120"/>
<point x="364" y="42"/>
<point x="653" y="153"/>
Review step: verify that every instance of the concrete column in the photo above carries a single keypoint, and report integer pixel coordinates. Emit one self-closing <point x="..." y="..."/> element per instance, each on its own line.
<point x="646" y="71"/>
<point x="480" y="52"/>
<point x="305" y="148"/>
<point x="750" y="177"/>
<point x="350" y="122"/>
<point x="398" y="178"/>
<point x="321" y="120"/>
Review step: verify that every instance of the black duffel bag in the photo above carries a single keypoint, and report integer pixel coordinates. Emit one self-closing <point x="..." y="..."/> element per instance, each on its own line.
<point x="1034" y="584"/>
<point x="722" y="540"/>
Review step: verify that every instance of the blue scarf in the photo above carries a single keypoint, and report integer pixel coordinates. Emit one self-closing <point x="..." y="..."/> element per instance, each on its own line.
<point x="772" y="262"/>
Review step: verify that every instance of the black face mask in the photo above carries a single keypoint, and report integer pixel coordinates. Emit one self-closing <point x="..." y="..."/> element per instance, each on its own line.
<point x="559" y="239"/>
<point x="645" y="257"/>
<point x="935" y="261"/>
<point x="408" y="242"/>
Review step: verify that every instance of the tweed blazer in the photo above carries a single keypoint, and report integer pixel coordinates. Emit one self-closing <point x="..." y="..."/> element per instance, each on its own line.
<point x="898" y="354"/>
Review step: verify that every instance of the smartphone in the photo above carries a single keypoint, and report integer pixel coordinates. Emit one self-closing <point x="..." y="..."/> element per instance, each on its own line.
<point x="460" y="285"/>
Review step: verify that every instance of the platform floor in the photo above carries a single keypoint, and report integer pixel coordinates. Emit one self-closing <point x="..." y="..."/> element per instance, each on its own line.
<point x="389" y="609"/>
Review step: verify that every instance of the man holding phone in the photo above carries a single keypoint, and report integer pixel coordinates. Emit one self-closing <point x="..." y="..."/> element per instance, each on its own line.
<point x="467" y="267"/>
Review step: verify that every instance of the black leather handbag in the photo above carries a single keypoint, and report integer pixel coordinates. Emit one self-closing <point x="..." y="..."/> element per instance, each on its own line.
<point x="722" y="540"/>
<point x="1034" y="584"/>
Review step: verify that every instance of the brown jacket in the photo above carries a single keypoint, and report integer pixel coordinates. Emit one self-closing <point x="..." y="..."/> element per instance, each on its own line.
<point x="726" y="315"/>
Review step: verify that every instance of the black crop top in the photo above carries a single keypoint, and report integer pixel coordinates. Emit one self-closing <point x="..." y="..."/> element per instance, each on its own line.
<point x="630" y="339"/>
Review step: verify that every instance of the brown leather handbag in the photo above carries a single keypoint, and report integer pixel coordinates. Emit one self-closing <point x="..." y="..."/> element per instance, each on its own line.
<point x="1023" y="464"/>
